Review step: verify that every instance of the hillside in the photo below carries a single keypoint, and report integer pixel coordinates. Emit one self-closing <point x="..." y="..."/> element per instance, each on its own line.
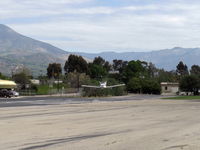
<point x="16" y="49"/>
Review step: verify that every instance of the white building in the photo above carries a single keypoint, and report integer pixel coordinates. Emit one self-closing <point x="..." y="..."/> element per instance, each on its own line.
<point x="34" y="81"/>
<point x="169" y="88"/>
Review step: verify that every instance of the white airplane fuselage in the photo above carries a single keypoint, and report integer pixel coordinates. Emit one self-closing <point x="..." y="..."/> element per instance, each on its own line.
<point x="103" y="84"/>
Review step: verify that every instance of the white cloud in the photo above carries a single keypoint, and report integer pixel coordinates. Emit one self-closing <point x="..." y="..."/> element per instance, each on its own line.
<point x="75" y="26"/>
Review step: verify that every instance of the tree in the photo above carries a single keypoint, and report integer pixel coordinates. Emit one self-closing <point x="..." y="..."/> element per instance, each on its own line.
<point x="107" y="66"/>
<point x="99" y="61"/>
<point x="182" y="69"/>
<point x="119" y="65"/>
<point x="152" y="70"/>
<point x="166" y="76"/>
<point x="54" y="70"/>
<point x="74" y="82"/>
<point x="134" y="69"/>
<point x="98" y="68"/>
<point x="150" y="86"/>
<point x="146" y="86"/>
<point x="190" y="83"/>
<point x="76" y="63"/>
<point x="195" y="70"/>
<point x="134" y="85"/>
<point x="96" y="71"/>
<point x="22" y="78"/>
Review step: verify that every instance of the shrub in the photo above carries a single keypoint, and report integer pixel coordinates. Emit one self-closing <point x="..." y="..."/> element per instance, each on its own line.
<point x="150" y="87"/>
<point x="146" y="86"/>
<point x="134" y="85"/>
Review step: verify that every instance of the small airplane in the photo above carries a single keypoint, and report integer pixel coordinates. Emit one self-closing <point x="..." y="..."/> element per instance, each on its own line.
<point x="103" y="85"/>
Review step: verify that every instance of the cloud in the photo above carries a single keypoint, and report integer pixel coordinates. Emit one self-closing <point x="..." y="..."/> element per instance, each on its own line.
<point x="36" y="8"/>
<point x="83" y="25"/>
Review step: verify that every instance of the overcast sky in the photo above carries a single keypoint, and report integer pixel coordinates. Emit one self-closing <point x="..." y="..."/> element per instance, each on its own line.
<point x="106" y="25"/>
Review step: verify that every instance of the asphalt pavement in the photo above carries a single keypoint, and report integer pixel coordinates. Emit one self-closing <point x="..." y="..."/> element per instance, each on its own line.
<point x="58" y="100"/>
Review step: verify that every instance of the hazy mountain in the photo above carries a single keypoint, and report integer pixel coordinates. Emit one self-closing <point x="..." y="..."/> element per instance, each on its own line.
<point x="167" y="59"/>
<point x="16" y="49"/>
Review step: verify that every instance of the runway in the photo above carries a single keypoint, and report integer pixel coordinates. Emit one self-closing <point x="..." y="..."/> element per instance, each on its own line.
<point x="135" y="122"/>
<point x="57" y="100"/>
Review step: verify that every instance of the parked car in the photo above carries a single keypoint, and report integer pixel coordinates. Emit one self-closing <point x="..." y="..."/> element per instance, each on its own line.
<point x="14" y="93"/>
<point x="8" y="93"/>
<point x="5" y="93"/>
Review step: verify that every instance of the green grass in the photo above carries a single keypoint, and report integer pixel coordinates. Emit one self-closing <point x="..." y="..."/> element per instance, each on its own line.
<point x="184" y="98"/>
<point x="43" y="90"/>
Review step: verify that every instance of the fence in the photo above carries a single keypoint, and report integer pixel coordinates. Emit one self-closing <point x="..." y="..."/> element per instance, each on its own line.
<point x="29" y="92"/>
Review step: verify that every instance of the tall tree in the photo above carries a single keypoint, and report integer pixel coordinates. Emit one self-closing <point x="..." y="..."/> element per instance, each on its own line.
<point x="107" y="66"/>
<point x="134" y="69"/>
<point x="99" y="61"/>
<point x="76" y="64"/>
<point x="195" y="70"/>
<point x="99" y="68"/>
<point x="182" y="69"/>
<point x="22" y="78"/>
<point x="119" y="65"/>
<point x="166" y="76"/>
<point x="54" y="70"/>
<point x="97" y="71"/>
<point x="190" y="83"/>
<point x="152" y="70"/>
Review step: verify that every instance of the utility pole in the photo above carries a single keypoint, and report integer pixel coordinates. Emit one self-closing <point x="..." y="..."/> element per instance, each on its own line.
<point x="58" y="83"/>
<point x="78" y="80"/>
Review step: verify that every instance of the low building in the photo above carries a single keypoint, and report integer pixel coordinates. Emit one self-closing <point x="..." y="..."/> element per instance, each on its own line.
<point x="34" y="81"/>
<point x="169" y="88"/>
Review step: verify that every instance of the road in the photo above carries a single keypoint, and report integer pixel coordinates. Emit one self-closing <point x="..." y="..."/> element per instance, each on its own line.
<point x="53" y="100"/>
<point x="135" y="122"/>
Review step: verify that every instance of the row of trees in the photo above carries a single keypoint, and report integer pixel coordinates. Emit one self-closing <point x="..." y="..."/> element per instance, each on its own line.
<point x="119" y="70"/>
<point x="189" y="79"/>
<point x="100" y="68"/>
<point x="139" y="76"/>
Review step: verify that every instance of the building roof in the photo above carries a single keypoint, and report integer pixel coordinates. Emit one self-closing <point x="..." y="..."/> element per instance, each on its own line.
<point x="170" y="83"/>
<point x="7" y="84"/>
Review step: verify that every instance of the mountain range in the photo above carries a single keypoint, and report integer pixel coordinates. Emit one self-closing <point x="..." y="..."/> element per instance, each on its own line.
<point x="167" y="59"/>
<point x="17" y="49"/>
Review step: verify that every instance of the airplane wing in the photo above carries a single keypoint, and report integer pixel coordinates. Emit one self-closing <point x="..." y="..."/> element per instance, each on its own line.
<point x="118" y="85"/>
<point x="90" y="86"/>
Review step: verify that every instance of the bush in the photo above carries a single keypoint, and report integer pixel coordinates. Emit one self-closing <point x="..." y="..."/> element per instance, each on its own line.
<point x="134" y="85"/>
<point x="146" y="86"/>
<point x="150" y="87"/>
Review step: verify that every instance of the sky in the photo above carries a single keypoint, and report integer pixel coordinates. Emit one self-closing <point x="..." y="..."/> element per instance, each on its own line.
<point x="106" y="25"/>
